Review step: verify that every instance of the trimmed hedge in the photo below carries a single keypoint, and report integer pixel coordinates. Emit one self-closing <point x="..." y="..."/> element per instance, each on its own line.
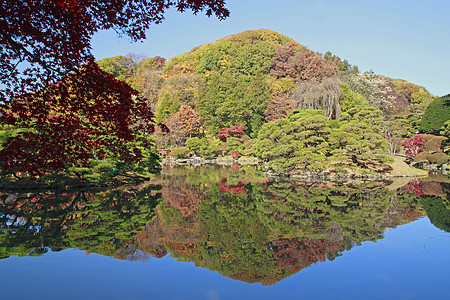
<point x="438" y="158"/>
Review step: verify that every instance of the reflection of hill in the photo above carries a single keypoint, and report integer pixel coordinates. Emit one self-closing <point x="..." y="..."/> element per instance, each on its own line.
<point x="296" y="254"/>
<point x="266" y="231"/>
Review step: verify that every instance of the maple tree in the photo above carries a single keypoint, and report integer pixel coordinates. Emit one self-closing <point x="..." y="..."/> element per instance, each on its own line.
<point x="300" y="64"/>
<point x="50" y="84"/>
<point x="68" y="123"/>
<point x="413" y="145"/>
<point x="278" y="107"/>
<point x="233" y="131"/>
<point x="190" y="120"/>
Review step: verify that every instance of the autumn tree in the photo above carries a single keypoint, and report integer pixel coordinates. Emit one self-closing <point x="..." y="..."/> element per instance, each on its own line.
<point x="66" y="125"/>
<point x="301" y="64"/>
<point x="278" y="107"/>
<point x="190" y="121"/>
<point x="378" y="91"/>
<point x="284" y="62"/>
<point x="52" y="37"/>
<point x="413" y="146"/>
<point x="50" y="82"/>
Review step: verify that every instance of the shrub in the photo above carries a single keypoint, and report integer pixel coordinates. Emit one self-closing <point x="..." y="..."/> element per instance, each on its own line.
<point x="195" y="144"/>
<point x="439" y="158"/>
<point x="211" y="149"/>
<point x="180" y="152"/>
<point x="422" y="156"/>
<point x="234" y="144"/>
<point x="434" y="144"/>
<point x="334" y="124"/>
<point x="413" y="146"/>
<point x="233" y="131"/>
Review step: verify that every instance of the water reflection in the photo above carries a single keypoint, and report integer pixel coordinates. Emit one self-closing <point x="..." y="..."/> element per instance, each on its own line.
<point x="232" y="220"/>
<point x="103" y="222"/>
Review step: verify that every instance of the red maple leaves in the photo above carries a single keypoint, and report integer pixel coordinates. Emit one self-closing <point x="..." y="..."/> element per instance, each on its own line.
<point x="233" y="131"/>
<point x="84" y="115"/>
<point x="413" y="145"/>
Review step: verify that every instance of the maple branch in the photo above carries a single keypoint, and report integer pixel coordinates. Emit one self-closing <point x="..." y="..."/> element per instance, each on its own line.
<point x="12" y="69"/>
<point x="19" y="49"/>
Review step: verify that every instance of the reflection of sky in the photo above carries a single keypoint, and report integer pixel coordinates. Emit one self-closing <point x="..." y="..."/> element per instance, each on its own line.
<point x="411" y="262"/>
<point x="406" y="39"/>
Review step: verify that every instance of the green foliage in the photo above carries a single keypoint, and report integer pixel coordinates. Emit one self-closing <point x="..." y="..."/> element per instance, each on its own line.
<point x="212" y="149"/>
<point x="334" y="124"/>
<point x="103" y="170"/>
<point x="420" y="100"/>
<point x="296" y="143"/>
<point x="204" y="148"/>
<point x="120" y="67"/>
<point x="234" y="144"/>
<point x="360" y="141"/>
<point x="304" y="141"/>
<point x="438" y="210"/>
<point x="168" y="105"/>
<point x="350" y="98"/>
<point x="437" y="113"/>
<point x="180" y="152"/>
<point x="445" y="130"/>
<point x="195" y="144"/>
<point x="228" y="99"/>
<point x="246" y="53"/>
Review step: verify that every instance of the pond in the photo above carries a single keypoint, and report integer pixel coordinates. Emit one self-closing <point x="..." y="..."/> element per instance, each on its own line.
<point x="225" y="233"/>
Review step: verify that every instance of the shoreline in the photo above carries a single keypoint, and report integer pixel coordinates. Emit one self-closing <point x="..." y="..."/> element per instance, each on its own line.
<point x="399" y="170"/>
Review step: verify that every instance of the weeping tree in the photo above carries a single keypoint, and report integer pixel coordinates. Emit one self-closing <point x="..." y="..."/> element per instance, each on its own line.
<point x="322" y="95"/>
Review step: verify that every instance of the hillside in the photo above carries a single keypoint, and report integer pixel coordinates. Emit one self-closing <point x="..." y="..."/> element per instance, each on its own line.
<point x="258" y="76"/>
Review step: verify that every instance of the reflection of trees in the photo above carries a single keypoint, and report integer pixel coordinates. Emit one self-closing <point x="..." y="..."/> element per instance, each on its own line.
<point x="310" y="210"/>
<point x="270" y="230"/>
<point x="237" y="223"/>
<point x="103" y="222"/>
<point x="295" y="254"/>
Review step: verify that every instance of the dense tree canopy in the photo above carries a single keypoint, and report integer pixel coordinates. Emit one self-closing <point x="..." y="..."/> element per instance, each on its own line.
<point x="437" y="113"/>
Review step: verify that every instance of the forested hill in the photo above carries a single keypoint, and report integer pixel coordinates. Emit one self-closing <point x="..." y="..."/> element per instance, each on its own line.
<point x="258" y="76"/>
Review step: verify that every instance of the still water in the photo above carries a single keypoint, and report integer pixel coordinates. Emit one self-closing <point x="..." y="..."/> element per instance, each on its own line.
<point x="227" y="233"/>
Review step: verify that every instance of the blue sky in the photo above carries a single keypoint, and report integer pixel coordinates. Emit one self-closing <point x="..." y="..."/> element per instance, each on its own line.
<point x="400" y="39"/>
